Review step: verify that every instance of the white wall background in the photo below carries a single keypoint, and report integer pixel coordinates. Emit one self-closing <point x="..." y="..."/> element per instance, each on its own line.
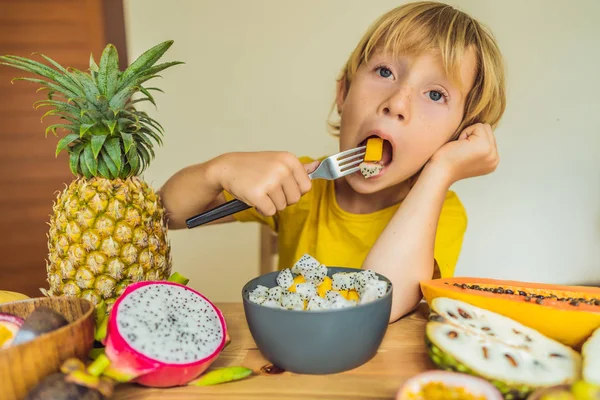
<point x="259" y="75"/>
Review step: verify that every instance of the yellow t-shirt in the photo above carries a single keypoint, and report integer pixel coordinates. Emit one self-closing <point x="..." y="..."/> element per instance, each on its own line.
<point x="318" y="226"/>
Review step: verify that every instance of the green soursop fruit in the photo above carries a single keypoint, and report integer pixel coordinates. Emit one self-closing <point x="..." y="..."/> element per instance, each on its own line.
<point x="514" y="358"/>
<point x="591" y="359"/>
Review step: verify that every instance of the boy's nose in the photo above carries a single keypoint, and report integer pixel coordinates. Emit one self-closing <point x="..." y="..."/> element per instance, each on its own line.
<point x="397" y="105"/>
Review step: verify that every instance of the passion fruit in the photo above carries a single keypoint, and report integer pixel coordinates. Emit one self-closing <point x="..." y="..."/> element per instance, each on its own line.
<point x="445" y="385"/>
<point x="9" y="327"/>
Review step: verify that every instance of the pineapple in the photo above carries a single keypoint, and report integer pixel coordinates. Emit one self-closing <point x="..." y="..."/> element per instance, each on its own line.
<point x="108" y="226"/>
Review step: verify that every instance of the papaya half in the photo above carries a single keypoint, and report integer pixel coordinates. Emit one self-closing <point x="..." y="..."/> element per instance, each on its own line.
<point x="568" y="314"/>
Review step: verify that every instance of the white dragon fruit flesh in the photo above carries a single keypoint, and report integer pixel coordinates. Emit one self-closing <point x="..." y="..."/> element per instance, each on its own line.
<point x="336" y="300"/>
<point x="306" y="261"/>
<point x="373" y="290"/>
<point x="275" y="293"/>
<point x="341" y="302"/>
<point x="259" y="294"/>
<point x="370" y="169"/>
<point x="343" y="280"/>
<point x="306" y="290"/>
<point x="314" y="293"/>
<point x="314" y="275"/>
<point x="163" y="334"/>
<point x="292" y="301"/>
<point x="333" y="296"/>
<point x="362" y="278"/>
<point x="515" y="358"/>
<point x="272" y="303"/>
<point x="316" y="302"/>
<point x="285" y="279"/>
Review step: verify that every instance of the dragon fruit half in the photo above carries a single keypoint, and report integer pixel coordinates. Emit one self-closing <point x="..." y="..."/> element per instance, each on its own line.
<point x="162" y="334"/>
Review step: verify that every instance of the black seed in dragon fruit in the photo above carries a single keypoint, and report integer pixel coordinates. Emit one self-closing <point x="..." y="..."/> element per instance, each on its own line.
<point x="306" y="261"/>
<point x="370" y="169"/>
<point x="285" y="279"/>
<point x="314" y="275"/>
<point x="292" y="301"/>
<point x="343" y="280"/>
<point x="306" y="290"/>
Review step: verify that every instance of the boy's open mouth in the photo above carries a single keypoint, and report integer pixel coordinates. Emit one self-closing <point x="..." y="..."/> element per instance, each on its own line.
<point x="371" y="167"/>
<point x="387" y="154"/>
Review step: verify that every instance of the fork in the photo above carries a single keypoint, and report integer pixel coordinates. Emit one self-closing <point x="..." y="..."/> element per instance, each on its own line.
<point x="333" y="167"/>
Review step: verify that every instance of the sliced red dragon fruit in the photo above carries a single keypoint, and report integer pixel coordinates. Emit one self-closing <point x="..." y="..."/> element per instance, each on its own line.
<point x="163" y="334"/>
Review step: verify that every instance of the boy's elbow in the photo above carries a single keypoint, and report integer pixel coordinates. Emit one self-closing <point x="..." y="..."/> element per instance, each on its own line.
<point x="402" y="309"/>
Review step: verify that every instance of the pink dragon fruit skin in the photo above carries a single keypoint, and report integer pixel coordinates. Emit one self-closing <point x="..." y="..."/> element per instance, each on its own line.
<point x="144" y="370"/>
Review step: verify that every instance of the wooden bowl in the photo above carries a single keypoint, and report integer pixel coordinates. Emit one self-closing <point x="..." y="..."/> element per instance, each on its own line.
<point x="23" y="366"/>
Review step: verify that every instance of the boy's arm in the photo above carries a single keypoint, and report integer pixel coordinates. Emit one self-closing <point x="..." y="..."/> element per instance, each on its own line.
<point x="404" y="251"/>
<point x="268" y="181"/>
<point x="191" y="191"/>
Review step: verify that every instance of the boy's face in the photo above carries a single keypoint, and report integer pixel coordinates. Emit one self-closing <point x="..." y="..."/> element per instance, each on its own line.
<point x="408" y="101"/>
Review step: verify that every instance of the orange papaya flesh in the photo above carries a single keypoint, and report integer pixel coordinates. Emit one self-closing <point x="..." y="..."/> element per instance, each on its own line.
<point x="568" y="314"/>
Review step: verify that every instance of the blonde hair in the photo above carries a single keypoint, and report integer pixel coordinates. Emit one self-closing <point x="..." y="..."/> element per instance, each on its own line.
<point x="424" y="26"/>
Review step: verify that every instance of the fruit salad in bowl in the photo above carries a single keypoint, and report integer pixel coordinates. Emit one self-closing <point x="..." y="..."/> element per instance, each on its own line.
<point x="309" y="286"/>
<point x="315" y="319"/>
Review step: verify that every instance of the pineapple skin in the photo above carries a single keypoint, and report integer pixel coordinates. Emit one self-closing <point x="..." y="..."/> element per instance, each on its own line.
<point x="104" y="235"/>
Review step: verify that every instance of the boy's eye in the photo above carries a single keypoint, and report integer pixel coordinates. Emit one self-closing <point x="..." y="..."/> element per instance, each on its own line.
<point x="384" y="72"/>
<point x="435" y="95"/>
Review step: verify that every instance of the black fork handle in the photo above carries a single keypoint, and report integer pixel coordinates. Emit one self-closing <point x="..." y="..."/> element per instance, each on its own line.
<point x="225" y="209"/>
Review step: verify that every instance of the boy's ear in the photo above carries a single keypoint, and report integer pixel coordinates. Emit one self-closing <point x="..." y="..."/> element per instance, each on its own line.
<point x="341" y="92"/>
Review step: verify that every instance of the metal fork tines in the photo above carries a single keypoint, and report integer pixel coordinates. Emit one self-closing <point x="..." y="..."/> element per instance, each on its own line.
<point x="333" y="167"/>
<point x="339" y="165"/>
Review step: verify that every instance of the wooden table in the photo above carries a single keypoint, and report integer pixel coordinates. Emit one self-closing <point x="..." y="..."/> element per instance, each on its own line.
<point x="401" y="355"/>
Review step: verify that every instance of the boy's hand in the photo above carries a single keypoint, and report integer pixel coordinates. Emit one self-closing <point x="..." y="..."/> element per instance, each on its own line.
<point x="268" y="181"/>
<point x="474" y="153"/>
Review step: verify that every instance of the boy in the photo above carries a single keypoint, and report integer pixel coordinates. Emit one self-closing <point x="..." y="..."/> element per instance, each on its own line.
<point x="427" y="79"/>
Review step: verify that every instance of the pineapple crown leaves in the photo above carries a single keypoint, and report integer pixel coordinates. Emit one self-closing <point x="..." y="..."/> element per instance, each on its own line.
<point x="106" y="135"/>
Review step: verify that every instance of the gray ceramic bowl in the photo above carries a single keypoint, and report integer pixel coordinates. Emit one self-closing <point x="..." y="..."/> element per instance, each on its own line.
<point x="317" y="342"/>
